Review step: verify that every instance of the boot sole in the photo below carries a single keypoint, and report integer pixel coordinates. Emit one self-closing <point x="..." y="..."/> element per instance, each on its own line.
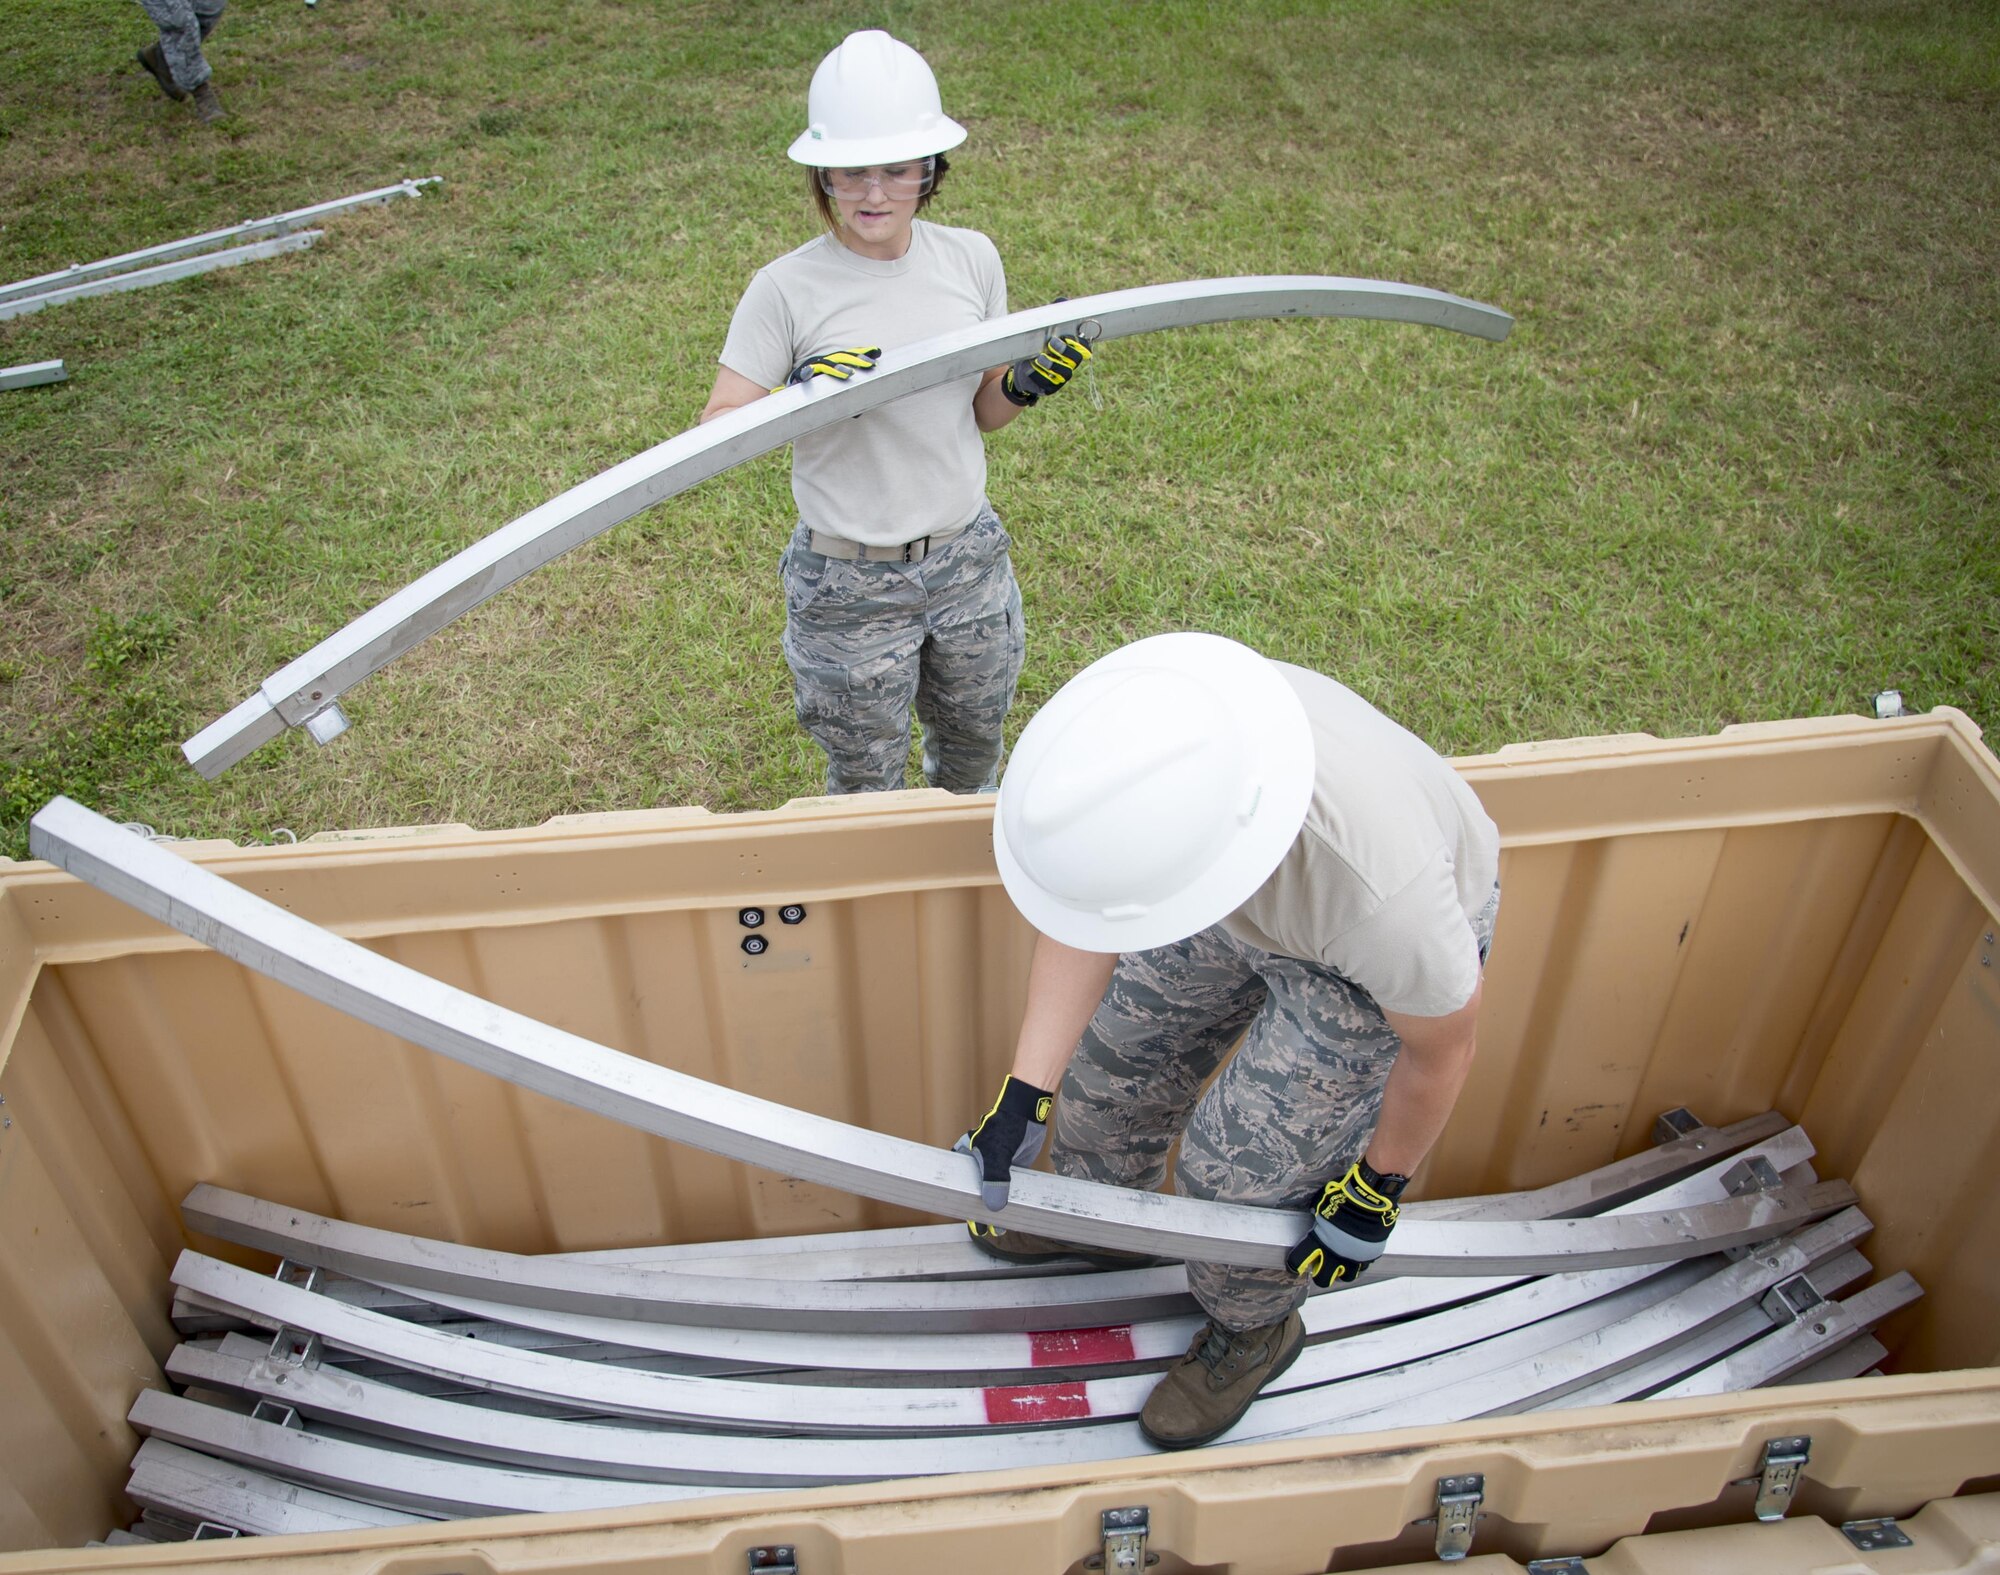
<point x="1214" y="1433"/>
<point x="1096" y="1260"/>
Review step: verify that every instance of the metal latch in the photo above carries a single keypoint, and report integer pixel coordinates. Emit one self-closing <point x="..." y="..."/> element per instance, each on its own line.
<point x="1871" y="1536"/>
<point x="1778" y="1475"/>
<point x="1458" y="1501"/>
<point x="781" y="1559"/>
<point x="1125" y="1532"/>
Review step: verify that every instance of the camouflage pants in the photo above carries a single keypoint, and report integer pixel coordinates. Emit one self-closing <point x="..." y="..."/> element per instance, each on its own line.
<point x="867" y="642"/>
<point x="1295" y="1106"/>
<point x="183" y="24"/>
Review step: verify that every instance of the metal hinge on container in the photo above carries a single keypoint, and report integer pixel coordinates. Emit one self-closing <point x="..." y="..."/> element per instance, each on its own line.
<point x="1870" y="1536"/>
<point x="781" y="1559"/>
<point x="1568" y="1564"/>
<point x="1458" y="1501"/>
<point x="1125" y="1532"/>
<point x="1778" y="1475"/>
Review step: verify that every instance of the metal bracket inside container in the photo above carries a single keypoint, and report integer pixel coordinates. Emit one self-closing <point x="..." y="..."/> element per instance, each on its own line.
<point x="295" y="1349"/>
<point x="1747" y="1176"/>
<point x="1778" y="1475"/>
<point x="1458" y="1501"/>
<point x="1125" y="1532"/>
<point x="1871" y="1536"/>
<point x="1678" y="1122"/>
<point x="1791" y="1300"/>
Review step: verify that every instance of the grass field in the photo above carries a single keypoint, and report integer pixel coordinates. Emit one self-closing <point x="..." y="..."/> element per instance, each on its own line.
<point x="1738" y="461"/>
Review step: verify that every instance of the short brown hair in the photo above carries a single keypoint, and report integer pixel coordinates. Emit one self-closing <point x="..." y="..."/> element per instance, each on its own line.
<point x="830" y="215"/>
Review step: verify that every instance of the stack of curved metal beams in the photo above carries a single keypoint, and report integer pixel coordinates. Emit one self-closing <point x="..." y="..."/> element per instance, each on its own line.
<point x="378" y="1377"/>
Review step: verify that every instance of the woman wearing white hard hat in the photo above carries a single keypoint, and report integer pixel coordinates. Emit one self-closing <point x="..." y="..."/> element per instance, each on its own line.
<point x="1218" y="847"/>
<point x="899" y="593"/>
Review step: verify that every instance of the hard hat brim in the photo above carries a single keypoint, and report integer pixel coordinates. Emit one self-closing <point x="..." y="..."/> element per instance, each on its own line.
<point x="861" y="152"/>
<point x="1285" y="768"/>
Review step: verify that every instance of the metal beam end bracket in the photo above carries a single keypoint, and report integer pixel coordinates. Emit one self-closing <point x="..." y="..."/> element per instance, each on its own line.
<point x="324" y="726"/>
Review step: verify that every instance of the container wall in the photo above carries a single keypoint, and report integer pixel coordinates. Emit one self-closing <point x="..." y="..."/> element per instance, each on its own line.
<point x="1797" y="916"/>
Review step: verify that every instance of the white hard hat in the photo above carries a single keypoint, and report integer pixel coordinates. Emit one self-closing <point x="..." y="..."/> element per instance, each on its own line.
<point x="1153" y="794"/>
<point x="873" y="101"/>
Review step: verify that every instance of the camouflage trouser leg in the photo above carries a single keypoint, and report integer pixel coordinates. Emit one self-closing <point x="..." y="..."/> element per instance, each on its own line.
<point x="183" y="24"/>
<point x="868" y="642"/>
<point x="1295" y="1105"/>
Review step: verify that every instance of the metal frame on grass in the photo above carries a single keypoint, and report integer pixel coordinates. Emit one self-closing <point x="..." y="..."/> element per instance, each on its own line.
<point x="207" y="262"/>
<point x="151" y="256"/>
<point x="33" y="374"/>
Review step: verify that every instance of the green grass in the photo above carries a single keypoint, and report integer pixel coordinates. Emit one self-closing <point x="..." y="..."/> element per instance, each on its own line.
<point x="1737" y="462"/>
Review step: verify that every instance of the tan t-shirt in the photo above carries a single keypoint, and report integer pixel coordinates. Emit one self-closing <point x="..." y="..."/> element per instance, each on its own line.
<point x="906" y="468"/>
<point x="1394" y="860"/>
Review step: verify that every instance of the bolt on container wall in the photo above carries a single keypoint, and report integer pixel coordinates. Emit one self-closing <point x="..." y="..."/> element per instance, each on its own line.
<point x="1798" y="916"/>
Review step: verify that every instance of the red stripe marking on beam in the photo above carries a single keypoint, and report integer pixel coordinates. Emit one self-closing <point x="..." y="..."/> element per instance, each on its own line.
<point x="1063" y="1347"/>
<point x="1020" y="1404"/>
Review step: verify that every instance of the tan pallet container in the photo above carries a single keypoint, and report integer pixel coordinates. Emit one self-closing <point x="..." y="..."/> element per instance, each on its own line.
<point x="1795" y="915"/>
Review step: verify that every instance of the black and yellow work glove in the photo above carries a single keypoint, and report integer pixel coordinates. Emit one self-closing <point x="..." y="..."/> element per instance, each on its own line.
<point x="837" y="364"/>
<point x="1045" y="372"/>
<point x="1010" y="1134"/>
<point x="1351" y="1224"/>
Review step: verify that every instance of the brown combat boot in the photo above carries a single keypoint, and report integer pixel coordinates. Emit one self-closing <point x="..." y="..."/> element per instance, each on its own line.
<point x="1019" y="1246"/>
<point x="207" y="105"/>
<point x="1207" y="1393"/>
<point x="150" y="58"/>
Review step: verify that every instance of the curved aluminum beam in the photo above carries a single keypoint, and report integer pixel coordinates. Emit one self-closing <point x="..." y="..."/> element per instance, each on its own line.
<point x="1503" y="1374"/>
<point x="424" y="1483"/>
<point x="1679" y="1358"/>
<point x="776" y="1406"/>
<point x="810" y="1147"/>
<point x="305" y="688"/>
<point x="898" y="1306"/>
<point x="183" y="1482"/>
<point x="1519" y="1370"/>
<point x="934" y="1251"/>
<point x="1071" y="1353"/>
<point x="1802" y="1343"/>
<point x="963" y="1310"/>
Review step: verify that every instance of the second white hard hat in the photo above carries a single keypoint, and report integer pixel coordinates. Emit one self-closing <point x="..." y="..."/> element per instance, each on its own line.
<point x="873" y="100"/>
<point x="1154" y="793"/>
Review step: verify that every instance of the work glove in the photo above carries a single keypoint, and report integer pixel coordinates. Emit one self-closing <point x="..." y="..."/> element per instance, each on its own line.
<point x="1351" y="1224"/>
<point x="1045" y="372"/>
<point x="837" y="364"/>
<point x="1010" y="1134"/>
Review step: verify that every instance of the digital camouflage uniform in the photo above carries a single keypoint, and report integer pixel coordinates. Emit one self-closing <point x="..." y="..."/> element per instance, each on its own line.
<point x="1296" y="1105"/>
<point x="183" y="24"/>
<point x="867" y="640"/>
